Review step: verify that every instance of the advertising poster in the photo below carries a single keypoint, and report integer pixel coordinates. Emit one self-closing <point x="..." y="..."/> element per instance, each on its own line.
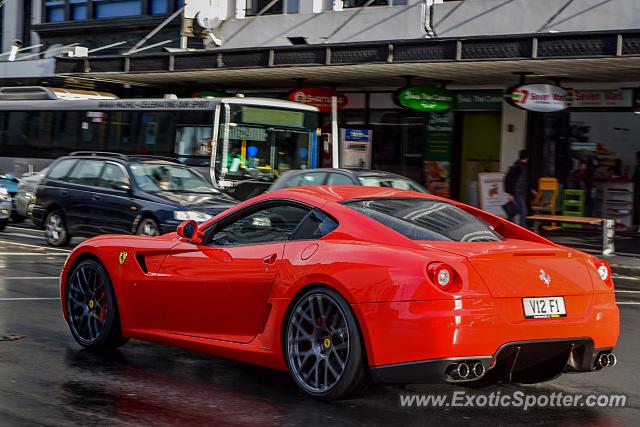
<point x="356" y="148"/>
<point x="437" y="156"/>
<point x="492" y="194"/>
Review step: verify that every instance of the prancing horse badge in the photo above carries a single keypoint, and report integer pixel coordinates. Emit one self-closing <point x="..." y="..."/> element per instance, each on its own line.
<point x="122" y="257"/>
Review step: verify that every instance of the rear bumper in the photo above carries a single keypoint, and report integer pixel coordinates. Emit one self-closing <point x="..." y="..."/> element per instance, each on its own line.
<point x="525" y="361"/>
<point x="430" y="333"/>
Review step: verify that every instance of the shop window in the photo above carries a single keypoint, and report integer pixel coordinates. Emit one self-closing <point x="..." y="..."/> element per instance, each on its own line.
<point x="360" y="3"/>
<point x="159" y="7"/>
<point x="79" y="10"/>
<point x="55" y="10"/>
<point x="253" y="7"/>
<point x="117" y="8"/>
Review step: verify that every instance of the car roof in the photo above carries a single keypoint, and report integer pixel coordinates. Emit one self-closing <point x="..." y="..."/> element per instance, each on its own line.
<point x="356" y="172"/>
<point x="126" y="158"/>
<point x="328" y="193"/>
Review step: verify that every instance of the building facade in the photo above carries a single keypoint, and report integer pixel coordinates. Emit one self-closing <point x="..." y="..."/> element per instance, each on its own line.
<point x="477" y="51"/>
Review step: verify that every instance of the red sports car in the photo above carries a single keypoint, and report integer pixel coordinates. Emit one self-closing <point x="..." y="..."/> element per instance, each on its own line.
<point x="344" y="285"/>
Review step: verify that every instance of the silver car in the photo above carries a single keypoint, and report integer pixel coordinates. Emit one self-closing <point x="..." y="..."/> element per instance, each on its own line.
<point x="26" y="192"/>
<point x="5" y="207"/>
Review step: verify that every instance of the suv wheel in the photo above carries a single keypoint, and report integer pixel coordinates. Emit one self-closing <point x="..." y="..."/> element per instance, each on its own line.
<point x="55" y="228"/>
<point x="148" y="227"/>
<point x="3" y="224"/>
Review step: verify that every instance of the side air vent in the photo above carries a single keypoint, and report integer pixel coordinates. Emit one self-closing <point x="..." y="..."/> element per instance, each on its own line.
<point x="142" y="263"/>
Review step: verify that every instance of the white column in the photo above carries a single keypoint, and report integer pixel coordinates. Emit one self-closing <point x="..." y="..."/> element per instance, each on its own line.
<point x="514" y="135"/>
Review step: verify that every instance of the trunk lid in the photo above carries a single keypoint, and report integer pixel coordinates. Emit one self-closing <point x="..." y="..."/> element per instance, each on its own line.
<point x="518" y="268"/>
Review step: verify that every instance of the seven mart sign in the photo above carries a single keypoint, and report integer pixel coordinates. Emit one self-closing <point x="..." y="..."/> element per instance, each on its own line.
<point x="539" y="97"/>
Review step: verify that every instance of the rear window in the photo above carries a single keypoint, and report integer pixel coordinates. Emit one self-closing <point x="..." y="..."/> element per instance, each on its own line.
<point x="424" y="219"/>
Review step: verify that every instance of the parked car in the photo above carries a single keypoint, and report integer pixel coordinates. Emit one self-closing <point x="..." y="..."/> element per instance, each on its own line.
<point x="330" y="176"/>
<point x="11" y="183"/>
<point x="86" y="194"/>
<point x="5" y="207"/>
<point x="342" y="285"/>
<point x="26" y="190"/>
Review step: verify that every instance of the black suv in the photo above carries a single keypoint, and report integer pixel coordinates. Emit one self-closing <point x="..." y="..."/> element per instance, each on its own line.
<point x="90" y="193"/>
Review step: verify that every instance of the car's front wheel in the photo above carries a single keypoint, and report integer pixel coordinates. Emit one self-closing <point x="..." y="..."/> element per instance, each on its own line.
<point x="324" y="348"/>
<point x="148" y="227"/>
<point x="3" y="224"/>
<point x="92" y="311"/>
<point x="55" y="228"/>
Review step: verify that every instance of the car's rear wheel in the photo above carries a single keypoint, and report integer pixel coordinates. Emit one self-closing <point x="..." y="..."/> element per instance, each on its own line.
<point x="148" y="227"/>
<point x="3" y="224"/>
<point x="55" y="228"/>
<point x="323" y="346"/>
<point x="92" y="310"/>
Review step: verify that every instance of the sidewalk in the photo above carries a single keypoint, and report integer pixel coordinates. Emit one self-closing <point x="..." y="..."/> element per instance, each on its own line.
<point x="625" y="262"/>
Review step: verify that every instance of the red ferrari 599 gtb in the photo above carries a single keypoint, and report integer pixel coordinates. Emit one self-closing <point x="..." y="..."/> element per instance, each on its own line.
<point x="344" y="285"/>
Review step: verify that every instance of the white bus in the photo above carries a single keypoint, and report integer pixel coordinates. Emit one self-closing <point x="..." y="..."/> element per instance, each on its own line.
<point x="255" y="138"/>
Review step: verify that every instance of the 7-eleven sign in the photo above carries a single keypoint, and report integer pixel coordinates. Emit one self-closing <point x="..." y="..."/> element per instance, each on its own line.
<point x="539" y="97"/>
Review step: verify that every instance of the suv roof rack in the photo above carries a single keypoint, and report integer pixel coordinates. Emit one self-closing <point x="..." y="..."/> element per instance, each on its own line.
<point x="99" y="153"/>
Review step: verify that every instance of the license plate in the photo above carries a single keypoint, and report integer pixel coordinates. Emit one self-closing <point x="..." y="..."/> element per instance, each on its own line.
<point x="541" y="308"/>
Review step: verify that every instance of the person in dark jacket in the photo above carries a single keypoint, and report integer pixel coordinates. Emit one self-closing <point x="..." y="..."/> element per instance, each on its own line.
<point x="516" y="185"/>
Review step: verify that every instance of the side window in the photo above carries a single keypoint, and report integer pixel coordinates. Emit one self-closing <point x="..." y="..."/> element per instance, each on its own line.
<point x="273" y="224"/>
<point x="86" y="172"/>
<point x="112" y="174"/>
<point x="61" y="169"/>
<point x="315" y="226"/>
<point x="339" y="179"/>
<point x="304" y="179"/>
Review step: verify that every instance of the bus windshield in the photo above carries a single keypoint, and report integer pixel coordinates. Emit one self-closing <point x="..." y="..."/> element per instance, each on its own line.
<point x="262" y="142"/>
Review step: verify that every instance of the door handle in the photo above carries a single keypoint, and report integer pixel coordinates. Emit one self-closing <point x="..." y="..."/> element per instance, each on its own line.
<point x="63" y="193"/>
<point x="270" y="259"/>
<point x="95" y="197"/>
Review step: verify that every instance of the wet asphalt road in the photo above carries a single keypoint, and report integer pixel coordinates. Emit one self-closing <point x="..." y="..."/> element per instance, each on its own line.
<point x="47" y="379"/>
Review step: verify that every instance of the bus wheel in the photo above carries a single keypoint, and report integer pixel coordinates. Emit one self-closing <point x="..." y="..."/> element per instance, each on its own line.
<point x="55" y="228"/>
<point x="148" y="227"/>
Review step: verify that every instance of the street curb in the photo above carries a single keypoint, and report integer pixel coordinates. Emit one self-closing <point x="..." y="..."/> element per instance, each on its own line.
<point x="625" y="270"/>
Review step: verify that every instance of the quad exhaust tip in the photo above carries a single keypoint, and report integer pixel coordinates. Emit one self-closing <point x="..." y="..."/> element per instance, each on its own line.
<point x="605" y="360"/>
<point x="466" y="371"/>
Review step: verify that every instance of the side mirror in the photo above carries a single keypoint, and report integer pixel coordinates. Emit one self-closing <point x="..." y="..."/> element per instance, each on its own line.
<point x="121" y="186"/>
<point x="189" y="231"/>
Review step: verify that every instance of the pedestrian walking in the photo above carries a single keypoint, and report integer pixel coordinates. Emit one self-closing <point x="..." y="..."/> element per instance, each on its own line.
<point x="516" y="184"/>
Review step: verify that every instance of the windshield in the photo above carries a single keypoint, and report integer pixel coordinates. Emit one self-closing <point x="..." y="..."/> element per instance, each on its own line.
<point x="390" y="181"/>
<point x="424" y="219"/>
<point x="156" y="177"/>
<point x="264" y="142"/>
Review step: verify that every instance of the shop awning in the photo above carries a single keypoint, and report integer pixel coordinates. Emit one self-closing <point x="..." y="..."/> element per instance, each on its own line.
<point x="576" y="57"/>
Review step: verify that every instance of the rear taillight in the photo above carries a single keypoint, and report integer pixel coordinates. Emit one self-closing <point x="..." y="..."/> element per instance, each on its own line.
<point x="604" y="270"/>
<point x="443" y="276"/>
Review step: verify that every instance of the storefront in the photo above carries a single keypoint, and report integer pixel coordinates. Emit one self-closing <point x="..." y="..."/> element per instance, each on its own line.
<point x="591" y="145"/>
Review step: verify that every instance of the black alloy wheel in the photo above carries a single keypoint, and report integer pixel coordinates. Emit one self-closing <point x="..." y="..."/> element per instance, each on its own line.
<point x="323" y="347"/>
<point x="92" y="311"/>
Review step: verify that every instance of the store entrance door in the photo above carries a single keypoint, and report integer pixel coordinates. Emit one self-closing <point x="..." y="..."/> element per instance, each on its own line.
<point x="479" y="151"/>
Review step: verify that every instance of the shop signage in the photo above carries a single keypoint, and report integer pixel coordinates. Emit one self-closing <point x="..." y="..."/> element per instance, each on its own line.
<point x="318" y="97"/>
<point x="600" y="98"/>
<point x="479" y="100"/>
<point x="426" y="98"/>
<point x="437" y="155"/>
<point x="492" y="194"/>
<point x="356" y="148"/>
<point x="538" y="97"/>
